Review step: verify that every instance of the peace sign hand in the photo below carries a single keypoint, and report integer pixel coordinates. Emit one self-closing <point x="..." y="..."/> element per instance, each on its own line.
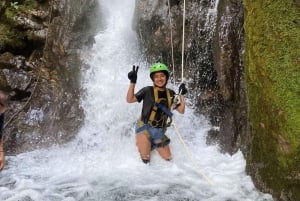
<point x="132" y="75"/>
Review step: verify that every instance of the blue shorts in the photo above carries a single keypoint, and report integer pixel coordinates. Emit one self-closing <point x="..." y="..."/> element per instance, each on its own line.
<point x="156" y="136"/>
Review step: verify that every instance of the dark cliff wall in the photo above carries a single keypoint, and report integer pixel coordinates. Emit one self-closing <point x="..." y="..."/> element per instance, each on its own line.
<point x="228" y="56"/>
<point x="40" y="43"/>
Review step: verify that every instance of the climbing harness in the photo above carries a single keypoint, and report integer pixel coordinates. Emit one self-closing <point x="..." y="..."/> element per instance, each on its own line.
<point x="155" y="129"/>
<point x="155" y="135"/>
<point x="157" y="106"/>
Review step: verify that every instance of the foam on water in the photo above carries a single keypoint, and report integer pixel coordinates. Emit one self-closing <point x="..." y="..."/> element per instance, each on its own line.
<point x="102" y="163"/>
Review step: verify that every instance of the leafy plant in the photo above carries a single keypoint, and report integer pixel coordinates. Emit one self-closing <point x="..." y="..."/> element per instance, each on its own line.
<point x="14" y="5"/>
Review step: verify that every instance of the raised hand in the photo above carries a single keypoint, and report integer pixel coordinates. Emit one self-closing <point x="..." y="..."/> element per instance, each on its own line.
<point x="132" y="75"/>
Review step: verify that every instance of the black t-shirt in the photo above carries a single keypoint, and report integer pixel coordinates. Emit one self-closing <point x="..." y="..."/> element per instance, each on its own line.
<point x="146" y="95"/>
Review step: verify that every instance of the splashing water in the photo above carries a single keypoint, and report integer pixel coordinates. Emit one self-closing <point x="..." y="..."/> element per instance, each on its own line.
<point x="102" y="163"/>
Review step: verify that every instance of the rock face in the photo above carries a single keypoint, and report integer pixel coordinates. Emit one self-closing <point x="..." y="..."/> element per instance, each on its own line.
<point x="273" y="79"/>
<point x="228" y="57"/>
<point x="40" y="70"/>
<point x="251" y="120"/>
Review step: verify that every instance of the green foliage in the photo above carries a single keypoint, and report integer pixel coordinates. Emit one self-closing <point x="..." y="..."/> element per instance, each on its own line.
<point x="10" y="14"/>
<point x="273" y="83"/>
<point x="14" y="5"/>
<point x="2" y="4"/>
<point x="11" y="35"/>
<point x="16" y="8"/>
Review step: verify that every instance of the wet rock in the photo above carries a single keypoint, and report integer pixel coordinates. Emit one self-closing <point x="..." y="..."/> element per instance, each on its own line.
<point x="43" y="81"/>
<point x="228" y="56"/>
<point x="27" y="23"/>
<point x="5" y="60"/>
<point x="17" y="79"/>
<point x="39" y="35"/>
<point x="42" y="14"/>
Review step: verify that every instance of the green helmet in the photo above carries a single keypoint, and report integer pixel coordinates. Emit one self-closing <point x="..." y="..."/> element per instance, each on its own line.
<point x="159" y="67"/>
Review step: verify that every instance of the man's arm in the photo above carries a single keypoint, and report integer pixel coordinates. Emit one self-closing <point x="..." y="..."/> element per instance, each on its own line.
<point x="130" y="94"/>
<point x="181" y="107"/>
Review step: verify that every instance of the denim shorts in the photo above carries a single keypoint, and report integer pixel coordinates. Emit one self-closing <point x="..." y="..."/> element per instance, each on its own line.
<point x="156" y="136"/>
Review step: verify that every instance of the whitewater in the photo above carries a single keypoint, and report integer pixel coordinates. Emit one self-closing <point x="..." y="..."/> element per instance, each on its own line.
<point x="102" y="163"/>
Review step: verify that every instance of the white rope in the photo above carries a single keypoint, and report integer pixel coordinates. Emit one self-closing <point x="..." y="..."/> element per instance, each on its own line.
<point x="182" y="68"/>
<point x="171" y="39"/>
<point x="182" y="48"/>
<point x="190" y="156"/>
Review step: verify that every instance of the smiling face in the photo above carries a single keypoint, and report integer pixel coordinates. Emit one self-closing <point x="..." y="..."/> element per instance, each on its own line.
<point x="160" y="79"/>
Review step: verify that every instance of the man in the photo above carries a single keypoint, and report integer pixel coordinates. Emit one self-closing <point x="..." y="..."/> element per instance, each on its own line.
<point x="3" y="98"/>
<point x="156" y="114"/>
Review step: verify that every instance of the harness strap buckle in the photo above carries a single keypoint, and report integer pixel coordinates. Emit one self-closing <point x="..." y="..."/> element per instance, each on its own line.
<point x="169" y="122"/>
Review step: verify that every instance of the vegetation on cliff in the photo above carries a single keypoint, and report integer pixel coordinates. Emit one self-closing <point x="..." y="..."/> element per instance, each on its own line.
<point x="12" y="36"/>
<point x="272" y="58"/>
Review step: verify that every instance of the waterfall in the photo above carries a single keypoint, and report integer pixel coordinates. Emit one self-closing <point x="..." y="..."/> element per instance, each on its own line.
<point x="102" y="163"/>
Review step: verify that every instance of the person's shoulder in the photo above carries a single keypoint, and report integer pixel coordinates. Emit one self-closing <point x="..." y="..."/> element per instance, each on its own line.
<point x="148" y="88"/>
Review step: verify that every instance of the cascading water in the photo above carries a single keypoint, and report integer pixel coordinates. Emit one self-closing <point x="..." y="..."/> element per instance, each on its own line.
<point x="102" y="163"/>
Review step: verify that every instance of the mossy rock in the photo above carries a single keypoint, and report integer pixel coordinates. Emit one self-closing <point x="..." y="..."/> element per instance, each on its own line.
<point x="12" y="37"/>
<point x="272" y="60"/>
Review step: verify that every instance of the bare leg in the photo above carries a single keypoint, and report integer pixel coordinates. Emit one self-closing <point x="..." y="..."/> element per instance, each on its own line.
<point x="2" y="157"/>
<point x="165" y="152"/>
<point x="144" y="146"/>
